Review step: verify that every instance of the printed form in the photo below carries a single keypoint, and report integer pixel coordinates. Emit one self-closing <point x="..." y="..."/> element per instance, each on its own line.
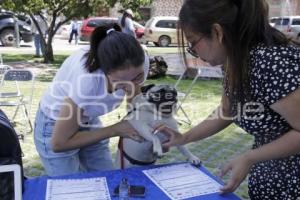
<point x="77" y="189"/>
<point x="182" y="181"/>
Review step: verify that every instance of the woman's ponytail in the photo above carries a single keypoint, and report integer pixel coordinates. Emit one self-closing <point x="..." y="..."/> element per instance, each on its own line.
<point x="98" y="35"/>
<point x="252" y="21"/>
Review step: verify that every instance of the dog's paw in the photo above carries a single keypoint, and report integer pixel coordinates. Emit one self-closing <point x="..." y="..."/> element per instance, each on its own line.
<point x="158" y="153"/>
<point x="157" y="156"/>
<point x="194" y="160"/>
<point x="157" y="148"/>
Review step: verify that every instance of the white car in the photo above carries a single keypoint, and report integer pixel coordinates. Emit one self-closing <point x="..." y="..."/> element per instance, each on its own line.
<point x="161" y="30"/>
<point x="289" y="25"/>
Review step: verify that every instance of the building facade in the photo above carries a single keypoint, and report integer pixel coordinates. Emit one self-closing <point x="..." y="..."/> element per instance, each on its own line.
<point x="283" y="7"/>
<point x="276" y="7"/>
<point x="166" y="7"/>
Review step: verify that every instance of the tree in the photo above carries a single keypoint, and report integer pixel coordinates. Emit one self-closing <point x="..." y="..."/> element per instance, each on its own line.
<point x="67" y="8"/>
<point x="132" y="4"/>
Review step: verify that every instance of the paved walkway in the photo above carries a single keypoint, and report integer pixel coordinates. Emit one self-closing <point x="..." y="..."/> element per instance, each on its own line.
<point x="58" y="45"/>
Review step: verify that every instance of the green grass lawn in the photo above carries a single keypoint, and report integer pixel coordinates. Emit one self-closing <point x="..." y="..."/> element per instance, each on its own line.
<point x="205" y="96"/>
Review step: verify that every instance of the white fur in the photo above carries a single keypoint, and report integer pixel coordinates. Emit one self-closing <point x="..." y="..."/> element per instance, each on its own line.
<point x="143" y="120"/>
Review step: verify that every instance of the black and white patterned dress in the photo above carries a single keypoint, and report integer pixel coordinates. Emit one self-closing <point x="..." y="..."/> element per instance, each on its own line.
<point x="274" y="73"/>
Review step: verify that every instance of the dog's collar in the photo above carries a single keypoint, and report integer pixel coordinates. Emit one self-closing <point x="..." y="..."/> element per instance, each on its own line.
<point x="131" y="111"/>
<point x="136" y="162"/>
<point x="131" y="160"/>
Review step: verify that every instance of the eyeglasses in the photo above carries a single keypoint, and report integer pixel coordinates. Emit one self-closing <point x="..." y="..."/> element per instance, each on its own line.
<point x="191" y="46"/>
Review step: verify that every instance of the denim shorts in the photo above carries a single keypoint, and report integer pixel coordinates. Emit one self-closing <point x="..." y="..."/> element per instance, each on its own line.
<point x="90" y="158"/>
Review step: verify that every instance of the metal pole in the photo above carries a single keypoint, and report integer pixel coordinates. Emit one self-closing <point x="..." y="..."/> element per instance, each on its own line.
<point x="17" y="33"/>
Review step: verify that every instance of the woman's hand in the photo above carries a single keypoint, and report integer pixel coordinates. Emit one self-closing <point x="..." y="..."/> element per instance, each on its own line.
<point x="124" y="129"/>
<point x="175" y="138"/>
<point x="239" y="168"/>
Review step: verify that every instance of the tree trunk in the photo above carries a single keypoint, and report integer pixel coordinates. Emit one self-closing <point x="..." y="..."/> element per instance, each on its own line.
<point x="48" y="51"/>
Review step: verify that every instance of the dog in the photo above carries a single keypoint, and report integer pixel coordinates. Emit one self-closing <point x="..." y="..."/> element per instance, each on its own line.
<point x="155" y="105"/>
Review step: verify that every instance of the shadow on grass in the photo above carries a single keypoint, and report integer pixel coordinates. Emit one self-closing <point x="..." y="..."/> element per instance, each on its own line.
<point x="47" y="75"/>
<point x="58" y="59"/>
<point x="29" y="59"/>
<point x="16" y="57"/>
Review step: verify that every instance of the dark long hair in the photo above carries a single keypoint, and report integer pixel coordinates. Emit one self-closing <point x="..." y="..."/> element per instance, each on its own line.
<point x="113" y="51"/>
<point x="245" y="24"/>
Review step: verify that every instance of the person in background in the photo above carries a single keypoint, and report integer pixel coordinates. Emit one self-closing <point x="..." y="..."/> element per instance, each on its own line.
<point x="37" y="36"/>
<point x="127" y="23"/>
<point x="93" y="81"/>
<point x="261" y="92"/>
<point x="74" y="31"/>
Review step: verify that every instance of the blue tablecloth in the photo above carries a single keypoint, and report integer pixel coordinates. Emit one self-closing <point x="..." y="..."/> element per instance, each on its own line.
<point x="35" y="188"/>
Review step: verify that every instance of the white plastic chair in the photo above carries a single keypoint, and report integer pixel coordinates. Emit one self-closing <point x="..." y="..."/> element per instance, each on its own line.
<point x="12" y="96"/>
<point x="3" y="68"/>
<point x="203" y="72"/>
<point x="183" y="95"/>
<point x="16" y="169"/>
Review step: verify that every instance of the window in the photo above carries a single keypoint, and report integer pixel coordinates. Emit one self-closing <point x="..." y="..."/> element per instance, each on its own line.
<point x="280" y="21"/>
<point x="296" y="21"/>
<point x="149" y="22"/>
<point x="166" y="24"/>
<point x="100" y="22"/>
<point x="92" y="23"/>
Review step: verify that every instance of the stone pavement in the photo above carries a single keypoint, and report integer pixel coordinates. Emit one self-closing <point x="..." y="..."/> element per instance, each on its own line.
<point x="58" y="45"/>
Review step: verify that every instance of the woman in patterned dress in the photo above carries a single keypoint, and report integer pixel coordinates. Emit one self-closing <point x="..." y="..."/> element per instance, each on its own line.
<point x="262" y="76"/>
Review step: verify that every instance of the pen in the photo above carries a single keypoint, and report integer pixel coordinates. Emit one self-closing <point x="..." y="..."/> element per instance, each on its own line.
<point x="155" y="132"/>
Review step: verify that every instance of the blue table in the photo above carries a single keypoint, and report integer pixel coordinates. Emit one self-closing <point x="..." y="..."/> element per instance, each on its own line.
<point x="35" y="188"/>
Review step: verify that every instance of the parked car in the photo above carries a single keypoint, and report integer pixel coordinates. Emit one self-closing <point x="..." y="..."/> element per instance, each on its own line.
<point x="91" y="23"/>
<point x="289" y="25"/>
<point x="161" y="30"/>
<point x="7" y="28"/>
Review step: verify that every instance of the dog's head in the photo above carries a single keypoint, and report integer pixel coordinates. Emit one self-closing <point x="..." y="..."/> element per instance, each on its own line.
<point x="164" y="97"/>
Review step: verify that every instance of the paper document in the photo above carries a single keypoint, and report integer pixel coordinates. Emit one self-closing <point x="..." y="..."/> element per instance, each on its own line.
<point x="73" y="189"/>
<point x="182" y="181"/>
